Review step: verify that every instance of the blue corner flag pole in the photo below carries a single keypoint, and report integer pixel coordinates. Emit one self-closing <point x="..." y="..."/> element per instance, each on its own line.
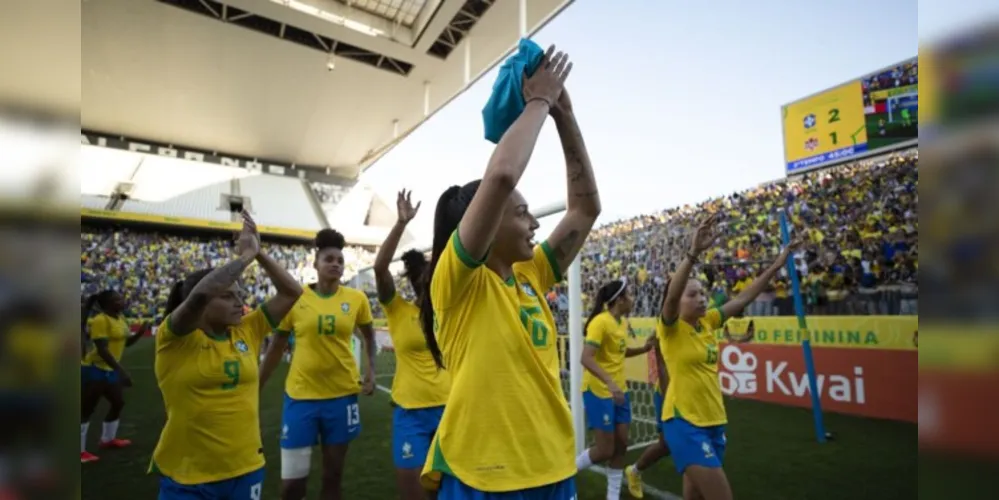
<point x="806" y="344"/>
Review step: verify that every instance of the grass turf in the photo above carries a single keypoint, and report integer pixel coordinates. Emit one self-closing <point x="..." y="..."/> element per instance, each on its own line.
<point x="771" y="452"/>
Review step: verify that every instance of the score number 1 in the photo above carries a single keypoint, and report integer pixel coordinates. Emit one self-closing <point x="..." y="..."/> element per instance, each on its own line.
<point x="833" y="118"/>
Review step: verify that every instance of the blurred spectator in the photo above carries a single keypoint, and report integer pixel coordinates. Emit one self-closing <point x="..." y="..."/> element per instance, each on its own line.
<point x="860" y="219"/>
<point x="144" y="264"/>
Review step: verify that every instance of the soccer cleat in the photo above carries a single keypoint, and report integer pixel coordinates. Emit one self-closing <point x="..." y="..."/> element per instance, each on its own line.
<point x="634" y="479"/>
<point x="115" y="443"/>
<point x="86" y="456"/>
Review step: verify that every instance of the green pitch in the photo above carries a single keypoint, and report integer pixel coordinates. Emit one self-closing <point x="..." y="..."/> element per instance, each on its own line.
<point x="771" y="454"/>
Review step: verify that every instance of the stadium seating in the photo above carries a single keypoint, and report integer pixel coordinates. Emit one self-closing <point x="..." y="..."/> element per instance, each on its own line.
<point x="861" y="221"/>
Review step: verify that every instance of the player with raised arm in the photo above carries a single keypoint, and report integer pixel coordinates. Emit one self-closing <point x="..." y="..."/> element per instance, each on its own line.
<point x="419" y="389"/>
<point x="605" y="391"/>
<point x="206" y="368"/>
<point x="693" y="414"/>
<point x="659" y="449"/>
<point x="506" y="431"/>
<point x="101" y="374"/>
<point x="320" y="401"/>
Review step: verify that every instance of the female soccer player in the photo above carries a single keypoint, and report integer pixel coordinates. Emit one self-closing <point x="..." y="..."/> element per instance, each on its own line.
<point x="206" y="367"/>
<point x="419" y="389"/>
<point x="506" y="431"/>
<point x="605" y="390"/>
<point x="320" y="402"/>
<point x="101" y="374"/>
<point x="693" y="413"/>
<point x="659" y="449"/>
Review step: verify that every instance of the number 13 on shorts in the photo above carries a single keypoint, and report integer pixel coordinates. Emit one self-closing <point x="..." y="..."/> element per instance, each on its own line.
<point x="353" y="415"/>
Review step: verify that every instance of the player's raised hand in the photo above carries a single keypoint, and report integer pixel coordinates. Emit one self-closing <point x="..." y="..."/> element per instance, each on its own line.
<point x="404" y="205"/>
<point x="547" y="82"/>
<point x="248" y="241"/>
<point x="705" y="234"/>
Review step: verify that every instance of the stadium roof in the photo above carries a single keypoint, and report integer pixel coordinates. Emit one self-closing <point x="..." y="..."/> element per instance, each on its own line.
<point x="329" y="84"/>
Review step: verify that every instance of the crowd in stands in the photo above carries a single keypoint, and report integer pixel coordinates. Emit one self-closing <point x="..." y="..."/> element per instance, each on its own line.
<point x="144" y="264"/>
<point x="860" y="221"/>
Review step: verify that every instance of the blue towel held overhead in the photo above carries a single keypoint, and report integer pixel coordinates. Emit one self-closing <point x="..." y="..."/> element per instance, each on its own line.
<point x="506" y="102"/>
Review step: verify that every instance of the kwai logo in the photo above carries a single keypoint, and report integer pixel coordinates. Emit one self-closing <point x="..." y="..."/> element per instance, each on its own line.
<point x="740" y="377"/>
<point x="840" y="388"/>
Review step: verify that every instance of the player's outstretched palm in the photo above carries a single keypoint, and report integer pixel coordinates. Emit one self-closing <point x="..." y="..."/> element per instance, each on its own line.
<point x="248" y="241"/>
<point x="404" y="205"/>
<point x="548" y="80"/>
<point x="705" y="234"/>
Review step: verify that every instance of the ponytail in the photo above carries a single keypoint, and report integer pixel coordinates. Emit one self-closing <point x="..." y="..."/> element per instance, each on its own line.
<point x="182" y="288"/>
<point x="175" y="298"/>
<point x="605" y="296"/>
<point x="88" y="305"/>
<point x="101" y="299"/>
<point x="450" y="209"/>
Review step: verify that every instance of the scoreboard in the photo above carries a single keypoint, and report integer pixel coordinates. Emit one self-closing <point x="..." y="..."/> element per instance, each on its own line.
<point x="870" y="115"/>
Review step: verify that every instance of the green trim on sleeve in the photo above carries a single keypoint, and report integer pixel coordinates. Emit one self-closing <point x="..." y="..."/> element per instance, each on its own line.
<point x="363" y="325"/>
<point x="389" y="301"/>
<point x="267" y="315"/>
<point x="593" y="343"/>
<point x="463" y="255"/>
<point x="282" y="333"/>
<point x="547" y="249"/>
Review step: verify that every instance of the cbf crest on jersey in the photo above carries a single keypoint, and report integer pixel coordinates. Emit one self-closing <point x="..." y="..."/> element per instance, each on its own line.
<point x="345" y="307"/>
<point x="242" y="347"/>
<point x="526" y="287"/>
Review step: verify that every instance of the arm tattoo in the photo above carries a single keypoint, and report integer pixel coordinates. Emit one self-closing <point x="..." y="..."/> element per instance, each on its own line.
<point x="219" y="279"/>
<point x="567" y="246"/>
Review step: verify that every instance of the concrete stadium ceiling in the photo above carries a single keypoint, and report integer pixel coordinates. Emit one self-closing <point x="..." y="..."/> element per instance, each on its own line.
<point x="252" y="77"/>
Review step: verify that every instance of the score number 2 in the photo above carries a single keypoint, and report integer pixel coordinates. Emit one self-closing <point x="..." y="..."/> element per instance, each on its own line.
<point x="833" y="118"/>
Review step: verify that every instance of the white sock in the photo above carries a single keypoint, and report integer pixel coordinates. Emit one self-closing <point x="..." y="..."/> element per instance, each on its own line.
<point x="84" y="427"/>
<point x="613" y="484"/>
<point x="583" y="461"/>
<point x="110" y="431"/>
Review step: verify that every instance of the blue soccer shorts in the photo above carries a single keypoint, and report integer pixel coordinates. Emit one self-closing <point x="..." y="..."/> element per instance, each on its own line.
<point x="453" y="489"/>
<point x="603" y="415"/>
<point x="245" y="487"/>
<point x="92" y="374"/>
<point x="306" y="423"/>
<point x="412" y="432"/>
<point x="693" y="445"/>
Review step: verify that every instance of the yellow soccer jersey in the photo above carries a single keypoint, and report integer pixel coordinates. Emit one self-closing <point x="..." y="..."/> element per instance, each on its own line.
<point x="114" y="331"/>
<point x="323" y="366"/>
<point x="417" y="382"/>
<point x="507" y="425"/>
<point x="694" y="392"/>
<point x="609" y="336"/>
<point x="211" y="390"/>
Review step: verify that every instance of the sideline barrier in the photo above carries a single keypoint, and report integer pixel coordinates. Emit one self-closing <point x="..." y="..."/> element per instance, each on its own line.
<point x="865" y="365"/>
